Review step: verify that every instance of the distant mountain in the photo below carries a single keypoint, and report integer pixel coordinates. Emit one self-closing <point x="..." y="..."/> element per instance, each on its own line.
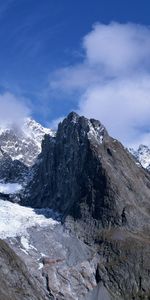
<point x="23" y="144"/>
<point x="19" y="148"/>
<point x="142" y="155"/>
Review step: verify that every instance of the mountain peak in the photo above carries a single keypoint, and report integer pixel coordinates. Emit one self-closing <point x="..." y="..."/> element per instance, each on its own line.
<point x="24" y="143"/>
<point x="142" y="154"/>
<point x="73" y="116"/>
<point x="83" y="168"/>
<point x="75" y="126"/>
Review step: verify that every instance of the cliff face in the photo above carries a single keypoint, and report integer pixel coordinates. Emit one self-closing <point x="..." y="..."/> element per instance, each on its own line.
<point x="63" y="160"/>
<point x="103" y="196"/>
<point x="11" y="170"/>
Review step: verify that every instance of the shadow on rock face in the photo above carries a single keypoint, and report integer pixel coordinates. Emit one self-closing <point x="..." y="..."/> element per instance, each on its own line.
<point x="99" y="293"/>
<point x="48" y="213"/>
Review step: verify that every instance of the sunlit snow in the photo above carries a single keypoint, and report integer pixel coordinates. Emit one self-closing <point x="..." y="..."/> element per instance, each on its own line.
<point x="97" y="133"/>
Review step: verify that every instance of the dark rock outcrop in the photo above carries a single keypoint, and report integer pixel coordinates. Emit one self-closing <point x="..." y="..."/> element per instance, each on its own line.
<point x="11" y="170"/>
<point x="84" y="173"/>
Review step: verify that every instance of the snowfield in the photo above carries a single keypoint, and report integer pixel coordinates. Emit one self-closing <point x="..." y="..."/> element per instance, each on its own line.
<point x="16" y="219"/>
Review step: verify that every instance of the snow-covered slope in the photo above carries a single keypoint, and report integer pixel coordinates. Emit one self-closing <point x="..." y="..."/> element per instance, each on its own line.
<point x="23" y="144"/>
<point x="36" y="131"/>
<point x="142" y="154"/>
<point x="16" y="219"/>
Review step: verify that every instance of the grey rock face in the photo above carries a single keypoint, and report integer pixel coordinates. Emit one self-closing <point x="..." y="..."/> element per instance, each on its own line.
<point x="60" y="261"/>
<point x="15" y="280"/>
<point x="69" y="265"/>
<point x="99" y="293"/>
<point x="103" y="196"/>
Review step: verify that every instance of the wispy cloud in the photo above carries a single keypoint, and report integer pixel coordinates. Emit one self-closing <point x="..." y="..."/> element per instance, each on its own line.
<point x="113" y="80"/>
<point x="13" y="110"/>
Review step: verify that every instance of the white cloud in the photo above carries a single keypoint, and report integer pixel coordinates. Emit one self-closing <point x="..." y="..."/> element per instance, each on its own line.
<point x="123" y="106"/>
<point x="12" y="110"/>
<point x="113" y="80"/>
<point x="74" y="78"/>
<point x="118" y="48"/>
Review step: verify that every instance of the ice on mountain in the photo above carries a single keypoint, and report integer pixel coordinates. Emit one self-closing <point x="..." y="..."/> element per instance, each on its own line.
<point x="26" y="244"/>
<point x="96" y="132"/>
<point x="15" y="220"/>
<point x="10" y="188"/>
<point x="36" y="131"/>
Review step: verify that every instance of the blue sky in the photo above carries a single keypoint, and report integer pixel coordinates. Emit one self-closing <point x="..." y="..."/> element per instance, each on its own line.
<point x="45" y="41"/>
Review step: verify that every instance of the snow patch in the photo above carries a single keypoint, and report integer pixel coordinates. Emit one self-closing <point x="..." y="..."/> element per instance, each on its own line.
<point x="43" y="255"/>
<point x="26" y="244"/>
<point x="40" y="266"/>
<point x="10" y="188"/>
<point x="97" y="133"/>
<point x="18" y="157"/>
